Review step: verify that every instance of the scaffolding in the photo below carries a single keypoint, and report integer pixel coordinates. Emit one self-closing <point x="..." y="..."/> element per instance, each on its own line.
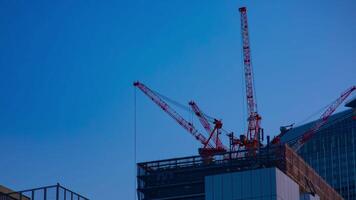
<point x="183" y="178"/>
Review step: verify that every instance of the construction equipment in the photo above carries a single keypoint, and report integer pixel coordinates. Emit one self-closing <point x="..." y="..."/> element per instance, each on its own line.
<point x="323" y="119"/>
<point x="283" y="131"/>
<point x="213" y="133"/>
<point x="252" y="138"/>
<point x="300" y="141"/>
<point x="208" y="149"/>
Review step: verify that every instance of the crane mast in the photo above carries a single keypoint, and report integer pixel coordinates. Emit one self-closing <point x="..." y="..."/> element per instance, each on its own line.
<point x="254" y="119"/>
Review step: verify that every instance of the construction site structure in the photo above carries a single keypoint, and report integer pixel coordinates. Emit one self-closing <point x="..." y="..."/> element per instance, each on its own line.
<point x="329" y="161"/>
<point x="331" y="151"/>
<point x="189" y="177"/>
<point x="185" y="178"/>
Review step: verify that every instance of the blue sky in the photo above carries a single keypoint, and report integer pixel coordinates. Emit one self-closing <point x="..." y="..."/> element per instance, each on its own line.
<point x="67" y="67"/>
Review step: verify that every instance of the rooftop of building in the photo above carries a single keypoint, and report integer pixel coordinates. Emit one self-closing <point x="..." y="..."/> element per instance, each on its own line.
<point x="177" y="176"/>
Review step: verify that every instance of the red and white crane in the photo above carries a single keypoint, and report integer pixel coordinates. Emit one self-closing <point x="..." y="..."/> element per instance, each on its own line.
<point x="213" y="133"/>
<point x="208" y="149"/>
<point x="306" y="136"/>
<point x="252" y="138"/>
<point x="323" y="119"/>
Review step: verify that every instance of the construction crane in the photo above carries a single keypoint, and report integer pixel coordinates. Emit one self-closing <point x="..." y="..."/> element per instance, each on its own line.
<point x="208" y="149"/>
<point x="283" y="131"/>
<point x="213" y="133"/>
<point x="323" y="119"/>
<point x="252" y="138"/>
<point x="300" y="141"/>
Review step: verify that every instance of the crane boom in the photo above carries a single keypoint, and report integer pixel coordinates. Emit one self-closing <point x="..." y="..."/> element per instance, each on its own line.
<point x="205" y="123"/>
<point x="323" y="119"/>
<point x="254" y="119"/>
<point x="171" y="112"/>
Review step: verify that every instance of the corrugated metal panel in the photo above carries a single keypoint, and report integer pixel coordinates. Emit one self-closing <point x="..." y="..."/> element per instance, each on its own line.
<point x="261" y="184"/>
<point x="237" y="185"/>
<point x="228" y="186"/>
<point x="209" y="186"/>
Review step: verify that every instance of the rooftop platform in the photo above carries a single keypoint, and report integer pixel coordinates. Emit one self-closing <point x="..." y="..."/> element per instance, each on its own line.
<point x="183" y="178"/>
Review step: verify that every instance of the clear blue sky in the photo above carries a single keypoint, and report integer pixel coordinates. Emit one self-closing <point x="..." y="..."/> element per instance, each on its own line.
<point x="67" y="67"/>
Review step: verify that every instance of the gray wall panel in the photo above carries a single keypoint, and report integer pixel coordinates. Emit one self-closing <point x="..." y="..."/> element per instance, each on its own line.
<point x="261" y="184"/>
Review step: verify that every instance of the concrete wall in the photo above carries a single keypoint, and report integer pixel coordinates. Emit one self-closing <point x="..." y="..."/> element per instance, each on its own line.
<point x="260" y="184"/>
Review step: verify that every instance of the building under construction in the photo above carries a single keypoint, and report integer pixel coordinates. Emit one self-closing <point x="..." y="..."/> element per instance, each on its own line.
<point x="190" y="177"/>
<point x="247" y="169"/>
<point x="331" y="152"/>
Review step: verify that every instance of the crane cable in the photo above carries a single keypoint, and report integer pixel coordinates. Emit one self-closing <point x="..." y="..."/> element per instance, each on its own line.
<point x="135" y="142"/>
<point x="182" y="106"/>
<point x="314" y="114"/>
<point x="330" y="122"/>
<point x="293" y="140"/>
<point x="186" y="108"/>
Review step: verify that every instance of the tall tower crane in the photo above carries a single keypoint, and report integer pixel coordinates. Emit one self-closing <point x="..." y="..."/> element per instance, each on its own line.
<point x="207" y="149"/>
<point x="252" y="138"/>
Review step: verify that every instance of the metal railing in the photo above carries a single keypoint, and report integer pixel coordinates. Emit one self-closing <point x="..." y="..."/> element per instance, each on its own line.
<point x="266" y="153"/>
<point x="52" y="192"/>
